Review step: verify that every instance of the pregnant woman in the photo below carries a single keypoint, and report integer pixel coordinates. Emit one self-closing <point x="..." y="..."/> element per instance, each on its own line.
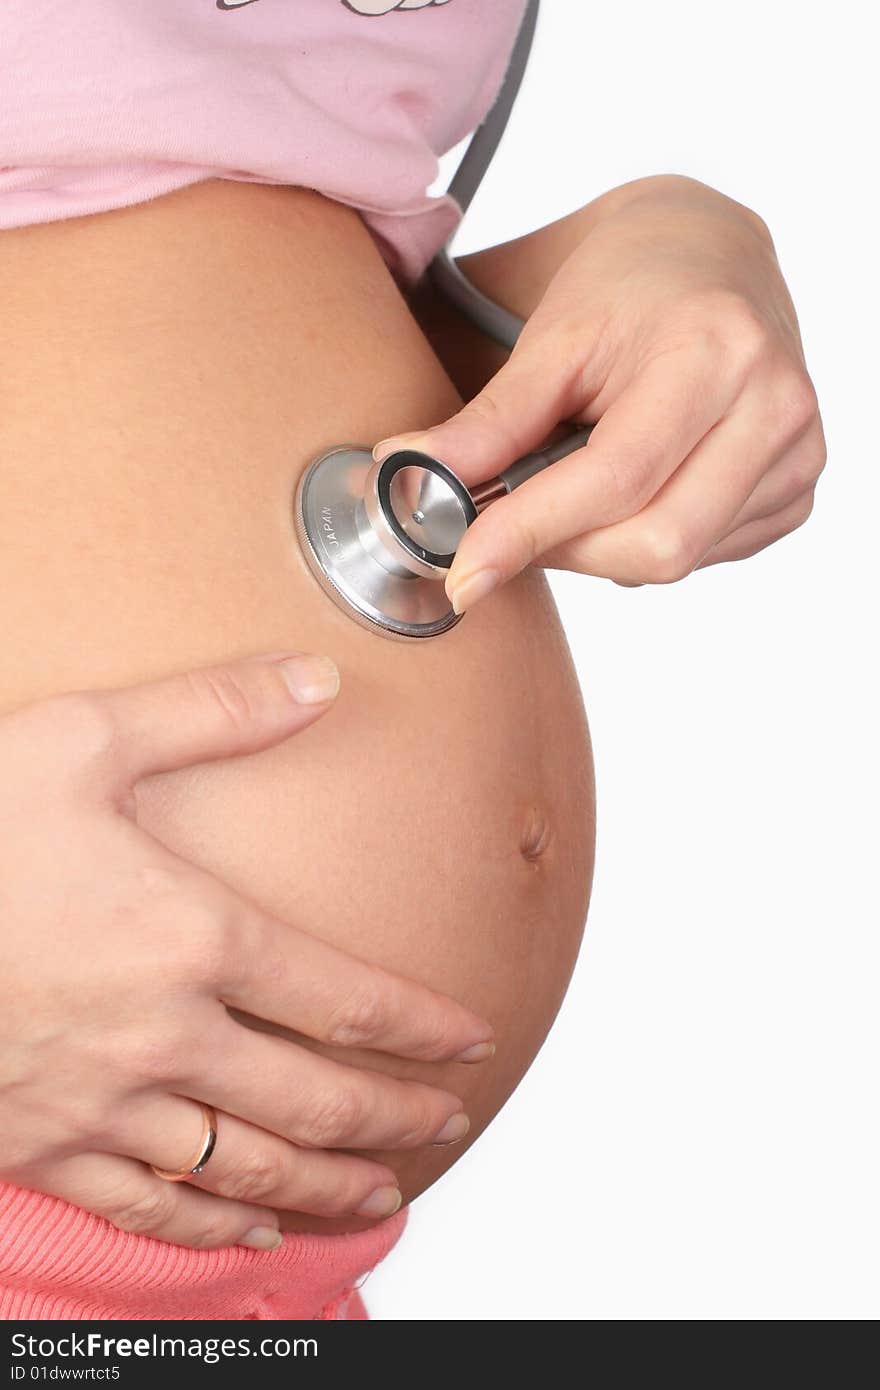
<point x="349" y="942"/>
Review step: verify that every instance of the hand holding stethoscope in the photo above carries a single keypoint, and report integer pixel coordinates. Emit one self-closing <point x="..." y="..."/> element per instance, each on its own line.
<point x="671" y="328"/>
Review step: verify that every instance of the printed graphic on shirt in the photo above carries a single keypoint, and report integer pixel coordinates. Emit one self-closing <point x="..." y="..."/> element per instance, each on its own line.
<point x="383" y="7"/>
<point x="359" y="6"/>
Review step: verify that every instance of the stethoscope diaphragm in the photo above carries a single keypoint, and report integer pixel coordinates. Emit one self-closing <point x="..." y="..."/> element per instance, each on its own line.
<point x="381" y="537"/>
<point x="375" y="536"/>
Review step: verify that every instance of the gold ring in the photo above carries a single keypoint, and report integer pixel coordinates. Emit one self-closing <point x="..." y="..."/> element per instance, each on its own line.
<point x="205" y="1149"/>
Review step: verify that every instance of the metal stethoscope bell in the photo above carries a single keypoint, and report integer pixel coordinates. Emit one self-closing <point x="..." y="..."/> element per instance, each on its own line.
<point x="381" y="537"/>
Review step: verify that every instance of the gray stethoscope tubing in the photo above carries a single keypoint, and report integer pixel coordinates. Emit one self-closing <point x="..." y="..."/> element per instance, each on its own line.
<point x="378" y="536"/>
<point x="494" y="320"/>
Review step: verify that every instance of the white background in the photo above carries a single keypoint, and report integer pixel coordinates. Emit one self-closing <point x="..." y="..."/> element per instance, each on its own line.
<point x="698" y="1138"/>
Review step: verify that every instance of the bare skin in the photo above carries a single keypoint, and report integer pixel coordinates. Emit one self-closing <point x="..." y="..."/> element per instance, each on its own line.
<point x="168" y="370"/>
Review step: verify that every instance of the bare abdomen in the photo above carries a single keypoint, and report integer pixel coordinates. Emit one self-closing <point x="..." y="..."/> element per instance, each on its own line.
<point x="166" y="372"/>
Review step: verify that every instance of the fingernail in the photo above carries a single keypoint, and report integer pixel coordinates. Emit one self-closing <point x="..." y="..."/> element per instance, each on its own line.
<point x="480" y="1052"/>
<point x="395" y="442"/>
<point x="310" y="679"/>
<point x="453" y="1130"/>
<point x="464" y="593"/>
<point x="383" y="1202"/>
<point x="262" y="1238"/>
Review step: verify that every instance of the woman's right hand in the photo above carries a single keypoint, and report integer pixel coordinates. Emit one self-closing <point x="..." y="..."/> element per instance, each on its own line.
<point x="120" y="960"/>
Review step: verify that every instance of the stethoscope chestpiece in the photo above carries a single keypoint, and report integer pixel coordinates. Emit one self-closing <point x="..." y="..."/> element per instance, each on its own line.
<point x="380" y="537"/>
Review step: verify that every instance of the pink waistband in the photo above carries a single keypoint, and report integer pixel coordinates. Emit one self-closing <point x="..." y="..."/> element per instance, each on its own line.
<point x="59" y="1262"/>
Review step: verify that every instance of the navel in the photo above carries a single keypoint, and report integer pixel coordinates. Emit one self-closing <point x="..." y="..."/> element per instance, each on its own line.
<point x="536" y="836"/>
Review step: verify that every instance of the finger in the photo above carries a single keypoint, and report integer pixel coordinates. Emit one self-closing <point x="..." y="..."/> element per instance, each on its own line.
<point x="534" y="389"/>
<point x="669" y="537"/>
<point x="635" y="447"/>
<point x="215" y="711"/>
<point x="128" y="1195"/>
<point x="312" y="1100"/>
<point x="796" y="472"/>
<point x="276" y="972"/>
<point x="757" y="535"/>
<point x="252" y="1165"/>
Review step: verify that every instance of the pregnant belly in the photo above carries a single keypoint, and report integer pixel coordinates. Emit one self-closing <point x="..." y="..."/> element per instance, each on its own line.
<point x="167" y="372"/>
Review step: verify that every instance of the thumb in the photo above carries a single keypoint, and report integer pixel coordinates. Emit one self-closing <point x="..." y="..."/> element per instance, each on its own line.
<point x="216" y="711"/>
<point x="512" y="415"/>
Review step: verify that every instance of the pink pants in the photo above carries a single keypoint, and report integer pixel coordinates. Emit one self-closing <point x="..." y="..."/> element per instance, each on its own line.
<point x="59" y="1262"/>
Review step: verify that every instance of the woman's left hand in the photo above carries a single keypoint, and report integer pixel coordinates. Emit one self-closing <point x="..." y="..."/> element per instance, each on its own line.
<point x="671" y="326"/>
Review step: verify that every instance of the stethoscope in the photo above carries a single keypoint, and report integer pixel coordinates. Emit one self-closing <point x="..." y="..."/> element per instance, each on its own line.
<point x="381" y="537"/>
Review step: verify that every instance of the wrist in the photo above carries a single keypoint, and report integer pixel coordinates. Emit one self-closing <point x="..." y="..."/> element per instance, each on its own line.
<point x="676" y="194"/>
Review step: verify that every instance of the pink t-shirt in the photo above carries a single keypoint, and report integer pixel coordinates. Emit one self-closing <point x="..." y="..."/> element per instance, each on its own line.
<point x="110" y="102"/>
